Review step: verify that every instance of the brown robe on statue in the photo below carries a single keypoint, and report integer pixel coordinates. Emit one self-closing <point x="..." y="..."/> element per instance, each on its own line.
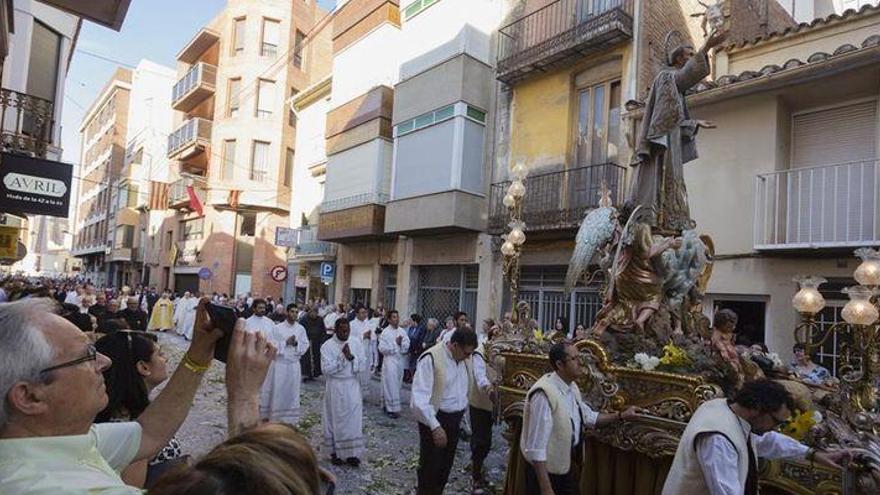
<point x="667" y="140"/>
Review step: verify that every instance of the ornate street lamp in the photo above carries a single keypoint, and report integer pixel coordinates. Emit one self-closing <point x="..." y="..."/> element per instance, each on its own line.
<point x="511" y="249"/>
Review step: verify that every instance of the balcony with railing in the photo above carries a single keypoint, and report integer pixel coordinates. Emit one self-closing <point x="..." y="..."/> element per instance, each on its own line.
<point x="199" y="83"/>
<point x="560" y="33"/>
<point x="558" y="200"/>
<point x="190" y="139"/>
<point x="828" y="206"/>
<point x="178" y="195"/>
<point x="26" y="123"/>
<point x="308" y="245"/>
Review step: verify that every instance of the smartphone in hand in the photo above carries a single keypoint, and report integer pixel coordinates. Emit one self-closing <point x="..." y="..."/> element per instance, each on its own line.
<point x="223" y="318"/>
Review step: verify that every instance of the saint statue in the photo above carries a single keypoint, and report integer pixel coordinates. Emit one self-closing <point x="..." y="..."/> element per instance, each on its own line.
<point x="667" y="139"/>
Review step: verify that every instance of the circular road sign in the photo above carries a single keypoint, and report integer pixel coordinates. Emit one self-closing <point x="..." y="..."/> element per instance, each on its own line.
<point x="278" y="273"/>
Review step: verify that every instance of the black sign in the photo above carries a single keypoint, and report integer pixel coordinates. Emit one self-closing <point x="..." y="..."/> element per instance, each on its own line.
<point x="35" y="186"/>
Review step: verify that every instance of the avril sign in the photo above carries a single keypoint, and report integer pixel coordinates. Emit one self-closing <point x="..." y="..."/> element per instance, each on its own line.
<point x="34" y="185"/>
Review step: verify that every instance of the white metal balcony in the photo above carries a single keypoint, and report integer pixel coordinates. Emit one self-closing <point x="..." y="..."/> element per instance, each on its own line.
<point x="307" y="244"/>
<point x="189" y="139"/>
<point x="199" y="83"/>
<point x="828" y="206"/>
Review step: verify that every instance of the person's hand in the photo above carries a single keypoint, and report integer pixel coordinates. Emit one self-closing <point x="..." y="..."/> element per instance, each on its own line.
<point x="346" y="351"/>
<point x="439" y="437"/>
<point x="291" y="340"/>
<point x="205" y="336"/>
<point x="716" y="38"/>
<point x="366" y="334"/>
<point x="631" y="412"/>
<point x="835" y="460"/>
<point x="706" y="124"/>
<point x="250" y="355"/>
<point x="675" y="243"/>
<point x="399" y="339"/>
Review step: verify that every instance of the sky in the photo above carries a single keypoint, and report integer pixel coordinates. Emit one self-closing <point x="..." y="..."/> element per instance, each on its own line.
<point x="153" y="29"/>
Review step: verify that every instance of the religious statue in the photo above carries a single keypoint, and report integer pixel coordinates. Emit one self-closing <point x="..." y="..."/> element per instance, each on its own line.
<point x="667" y="139"/>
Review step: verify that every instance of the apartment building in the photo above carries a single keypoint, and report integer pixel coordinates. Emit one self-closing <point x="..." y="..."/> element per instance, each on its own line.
<point x="796" y="150"/>
<point x="232" y="149"/>
<point x="37" y="39"/>
<point x="103" y="132"/>
<point x="144" y="168"/>
<point x="561" y="113"/>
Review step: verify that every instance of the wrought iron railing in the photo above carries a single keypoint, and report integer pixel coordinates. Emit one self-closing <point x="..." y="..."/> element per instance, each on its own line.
<point x="27" y="122"/>
<point x="558" y="200"/>
<point x="191" y="132"/>
<point x="377" y="198"/>
<point x="307" y="243"/>
<point x="177" y="192"/>
<point x="817" y="207"/>
<point x="201" y="75"/>
<point x="558" y="30"/>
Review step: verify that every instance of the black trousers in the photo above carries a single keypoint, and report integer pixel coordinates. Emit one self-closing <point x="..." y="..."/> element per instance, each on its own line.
<point x="563" y="484"/>
<point x="436" y="463"/>
<point x="481" y="434"/>
<point x="310" y="362"/>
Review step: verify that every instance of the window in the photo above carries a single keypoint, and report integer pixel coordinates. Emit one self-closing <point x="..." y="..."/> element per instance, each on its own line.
<point x="598" y="124"/>
<point x="192" y="229"/>
<point x="238" y="36"/>
<point x="476" y="114"/>
<point x="260" y="161"/>
<point x="425" y="120"/>
<point x="443" y="290"/>
<point x="233" y="97"/>
<point x="132" y="196"/>
<point x="265" y="97"/>
<point x="288" y="168"/>
<point x="228" y="170"/>
<point x="543" y="288"/>
<point x="298" y="45"/>
<point x="124" y="237"/>
<point x="248" y="227"/>
<point x="42" y="78"/>
<point x="271" y="37"/>
<point x="417" y="7"/>
<point x="291" y="115"/>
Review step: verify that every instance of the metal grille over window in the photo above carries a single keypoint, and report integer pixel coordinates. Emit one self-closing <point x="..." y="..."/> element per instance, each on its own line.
<point x="542" y="288"/>
<point x="443" y="290"/>
<point x="389" y="282"/>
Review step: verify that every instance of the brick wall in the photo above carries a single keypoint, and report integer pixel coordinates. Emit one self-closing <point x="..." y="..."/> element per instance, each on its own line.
<point x="267" y="255"/>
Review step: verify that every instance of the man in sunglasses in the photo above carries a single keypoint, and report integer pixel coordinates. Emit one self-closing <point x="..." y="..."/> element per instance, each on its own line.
<point x="718" y="451"/>
<point x="52" y="387"/>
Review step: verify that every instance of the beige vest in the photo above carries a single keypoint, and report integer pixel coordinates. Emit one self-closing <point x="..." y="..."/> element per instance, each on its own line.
<point x="476" y="397"/>
<point x="714" y="416"/>
<point x="559" y="447"/>
<point x="438" y="357"/>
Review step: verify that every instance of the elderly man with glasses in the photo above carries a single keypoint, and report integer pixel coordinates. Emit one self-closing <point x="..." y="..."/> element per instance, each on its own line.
<point x="52" y="387"/>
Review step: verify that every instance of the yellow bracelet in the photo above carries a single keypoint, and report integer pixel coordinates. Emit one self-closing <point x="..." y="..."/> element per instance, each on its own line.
<point x="194" y="366"/>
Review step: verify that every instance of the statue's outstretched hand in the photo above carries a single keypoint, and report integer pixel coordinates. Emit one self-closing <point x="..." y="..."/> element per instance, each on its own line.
<point x="715" y="38"/>
<point x="707" y="124"/>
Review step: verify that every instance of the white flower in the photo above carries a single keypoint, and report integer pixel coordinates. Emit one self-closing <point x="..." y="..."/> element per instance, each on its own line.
<point x="646" y="362"/>
<point x="817" y="417"/>
<point x="777" y="361"/>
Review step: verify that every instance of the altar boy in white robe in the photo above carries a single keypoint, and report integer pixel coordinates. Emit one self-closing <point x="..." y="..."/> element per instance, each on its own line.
<point x="394" y="346"/>
<point x="343" y="416"/>
<point x="362" y="327"/>
<point x="280" y="397"/>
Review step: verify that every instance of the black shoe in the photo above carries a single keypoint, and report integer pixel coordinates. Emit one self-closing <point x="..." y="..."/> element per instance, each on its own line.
<point x="336" y="461"/>
<point x="393" y="415"/>
<point x="353" y="462"/>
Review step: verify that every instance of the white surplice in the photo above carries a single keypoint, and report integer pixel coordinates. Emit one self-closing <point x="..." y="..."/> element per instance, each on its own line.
<point x="358" y="329"/>
<point x="185" y="316"/>
<point x="393" y="363"/>
<point x="280" y="395"/>
<point x="343" y="414"/>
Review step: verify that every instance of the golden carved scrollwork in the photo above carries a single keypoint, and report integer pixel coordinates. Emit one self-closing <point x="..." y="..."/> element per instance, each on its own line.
<point x="799" y="478"/>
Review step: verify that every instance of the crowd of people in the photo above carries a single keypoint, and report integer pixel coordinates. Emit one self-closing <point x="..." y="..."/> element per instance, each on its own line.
<point x="77" y="374"/>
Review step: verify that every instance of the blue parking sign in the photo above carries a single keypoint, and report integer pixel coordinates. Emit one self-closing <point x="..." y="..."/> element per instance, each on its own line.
<point x="328" y="270"/>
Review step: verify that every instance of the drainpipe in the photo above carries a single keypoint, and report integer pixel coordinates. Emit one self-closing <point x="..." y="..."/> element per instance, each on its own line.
<point x="632" y="70"/>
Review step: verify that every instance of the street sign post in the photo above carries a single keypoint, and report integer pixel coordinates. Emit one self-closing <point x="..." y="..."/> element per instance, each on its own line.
<point x="328" y="272"/>
<point x="278" y="273"/>
<point x="285" y="237"/>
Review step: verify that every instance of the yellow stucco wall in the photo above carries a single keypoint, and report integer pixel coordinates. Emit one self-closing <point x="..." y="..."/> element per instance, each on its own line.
<point x="544" y="113"/>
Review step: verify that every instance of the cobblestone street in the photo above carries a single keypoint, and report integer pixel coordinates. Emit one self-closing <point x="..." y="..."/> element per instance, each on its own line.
<point x="389" y="465"/>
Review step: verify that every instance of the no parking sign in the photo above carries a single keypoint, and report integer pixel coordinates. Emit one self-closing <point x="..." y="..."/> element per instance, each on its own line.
<point x="278" y="273"/>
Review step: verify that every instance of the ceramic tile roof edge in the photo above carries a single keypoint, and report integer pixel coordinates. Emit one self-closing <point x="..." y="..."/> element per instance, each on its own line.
<point x="846" y="15"/>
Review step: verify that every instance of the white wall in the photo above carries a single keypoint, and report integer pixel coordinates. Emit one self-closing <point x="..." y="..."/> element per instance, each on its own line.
<point x="150" y="117"/>
<point x="446" y="29"/>
<point x="360" y="170"/>
<point x="310" y="150"/>
<point x="807" y="10"/>
<point x="371" y="61"/>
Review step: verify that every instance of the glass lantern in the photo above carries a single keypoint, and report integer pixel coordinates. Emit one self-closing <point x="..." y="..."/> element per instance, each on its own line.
<point x="808" y="300"/>
<point x="868" y="273"/>
<point x="859" y="310"/>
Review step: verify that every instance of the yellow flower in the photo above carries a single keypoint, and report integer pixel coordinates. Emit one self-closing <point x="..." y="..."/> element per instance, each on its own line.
<point x="799" y="425"/>
<point x="539" y="335"/>
<point x="675" y="356"/>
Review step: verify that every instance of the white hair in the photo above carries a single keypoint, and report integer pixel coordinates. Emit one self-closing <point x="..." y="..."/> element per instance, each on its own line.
<point x="24" y="350"/>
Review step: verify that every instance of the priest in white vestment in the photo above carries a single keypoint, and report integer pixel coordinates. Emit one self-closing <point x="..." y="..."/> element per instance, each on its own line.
<point x="185" y="315"/>
<point x="394" y="346"/>
<point x="343" y="416"/>
<point x="362" y="328"/>
<point x="280" y="397"/>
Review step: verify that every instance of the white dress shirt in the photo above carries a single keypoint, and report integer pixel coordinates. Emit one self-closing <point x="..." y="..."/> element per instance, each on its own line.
<point x="718" y="457"/>
<point x="455" y="389"/>
<point x="540" y="423"/>
<point x="480" y="376"/>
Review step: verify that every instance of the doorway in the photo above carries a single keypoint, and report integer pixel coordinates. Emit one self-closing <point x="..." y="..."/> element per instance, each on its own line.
<point x="752" y="318"/>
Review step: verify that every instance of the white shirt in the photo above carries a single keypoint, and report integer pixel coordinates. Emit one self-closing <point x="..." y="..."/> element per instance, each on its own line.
<point x="540" y="424"/>
<point x="446" y="336"/>
<point x="261" y="324"/>
<point x="455" y="389"/>
<point x="282" y="332"/>
<point x="358" y="328"/>
<point x="718" y="458"/>
<point x="388" y="345"/>
<point x="330" y="320"/>
<point x="480" y="375"/>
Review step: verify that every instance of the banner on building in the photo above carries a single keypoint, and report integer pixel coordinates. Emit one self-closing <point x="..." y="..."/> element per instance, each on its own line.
<point x="285" y="237"/>
<point x="34" y="186"/>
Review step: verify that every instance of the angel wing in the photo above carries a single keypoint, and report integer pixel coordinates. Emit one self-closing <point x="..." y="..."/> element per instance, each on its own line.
<point x="596" y="230"/>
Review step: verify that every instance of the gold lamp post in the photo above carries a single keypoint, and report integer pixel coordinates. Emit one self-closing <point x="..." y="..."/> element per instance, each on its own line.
<point x="514" y="239"/>
<point x="861" y="369"/>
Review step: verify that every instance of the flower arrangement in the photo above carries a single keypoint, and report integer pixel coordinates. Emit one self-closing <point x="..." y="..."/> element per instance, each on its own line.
<point x="675" y="357"/>
<point x="801" y="423"/>
<point x="646" y="362"/>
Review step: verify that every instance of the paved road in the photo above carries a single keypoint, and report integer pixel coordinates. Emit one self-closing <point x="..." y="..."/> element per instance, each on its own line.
<point x="389" y="466"/>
